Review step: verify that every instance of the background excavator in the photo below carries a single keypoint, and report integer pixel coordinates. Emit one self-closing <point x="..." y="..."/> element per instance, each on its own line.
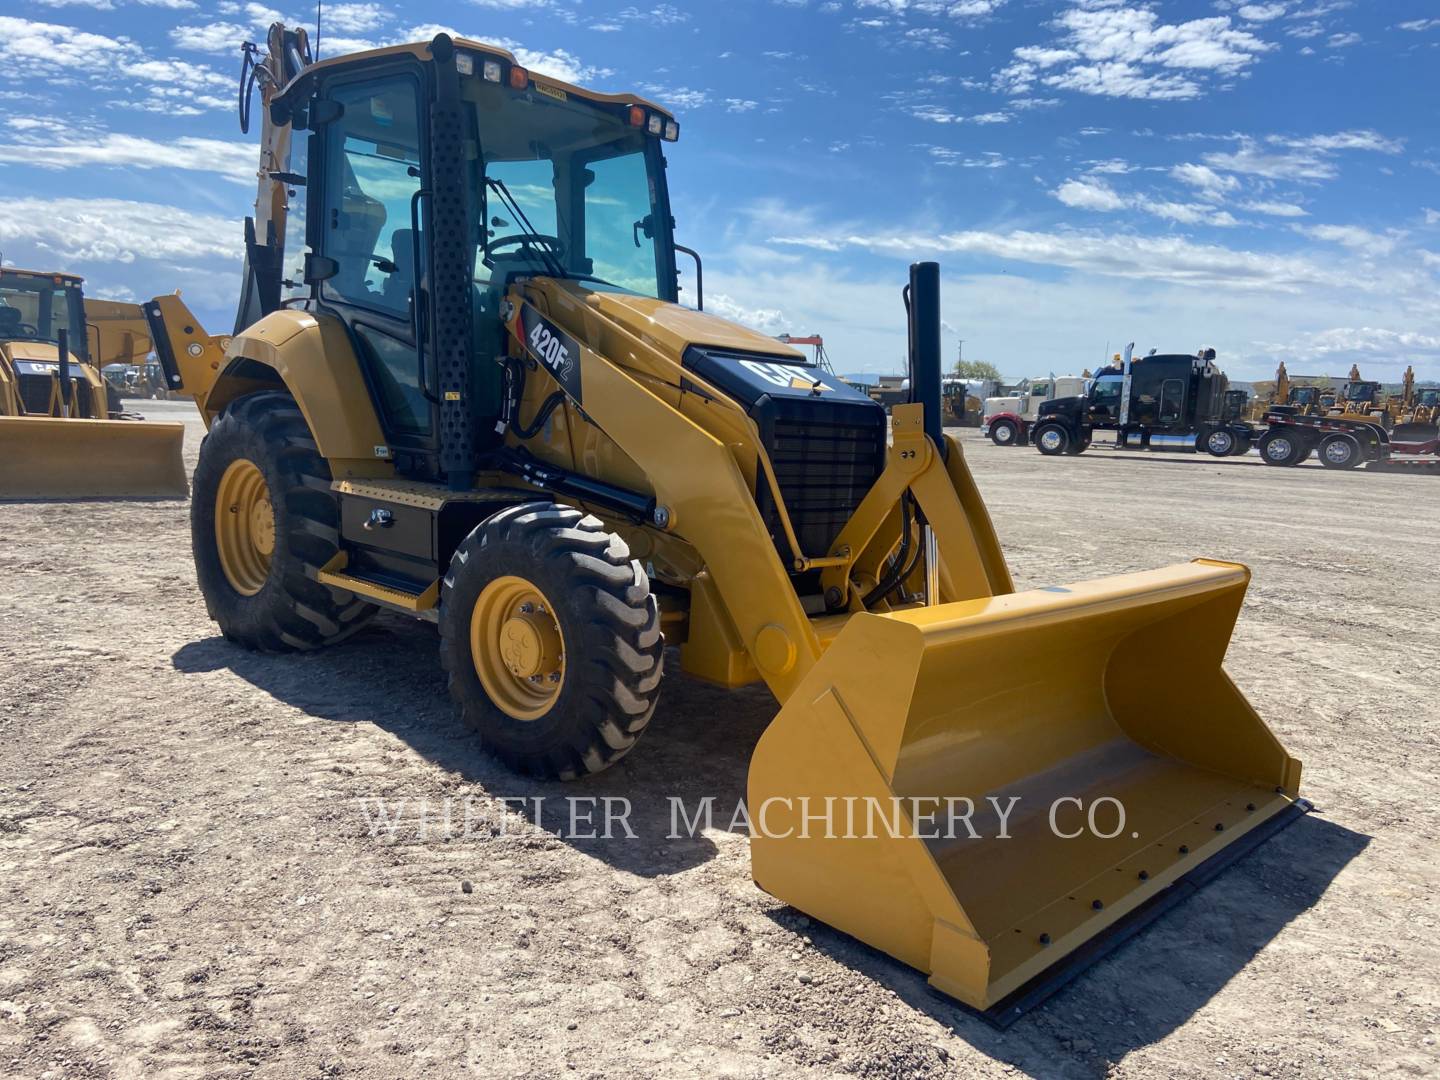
<point x="62" y="432"/>
<point x="466" y="391"/>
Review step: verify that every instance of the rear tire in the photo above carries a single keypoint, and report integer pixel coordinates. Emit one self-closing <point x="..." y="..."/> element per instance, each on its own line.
<point x="1281" y="448"/>
<point x="1051" y="440"/>
<point x="1004" y="433"/>
<point x="1340" y="452"/>
<point x="587" y="599"/>
<point x="278" y="606"/>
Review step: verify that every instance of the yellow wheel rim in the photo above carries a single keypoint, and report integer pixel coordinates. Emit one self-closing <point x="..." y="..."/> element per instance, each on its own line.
<point x="517" y="647"/>
<point x="244" y="527"/>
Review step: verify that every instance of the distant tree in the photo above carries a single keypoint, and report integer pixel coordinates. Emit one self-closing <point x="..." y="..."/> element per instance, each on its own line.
<point x="976" y="369"/>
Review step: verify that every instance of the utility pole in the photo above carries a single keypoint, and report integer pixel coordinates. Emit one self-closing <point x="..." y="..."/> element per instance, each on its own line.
<point x="960" y="359"/>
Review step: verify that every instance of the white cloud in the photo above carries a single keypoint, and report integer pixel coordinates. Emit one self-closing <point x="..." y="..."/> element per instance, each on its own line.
<point x="1352" y="237"/>
<point x="357" y="18"/>
<point x="118" y="230"/>
<point x="659" y="15"/>
<point x="944" y="155"/>
<point x="679" y="97"/>
<point x="1261" y="12"/>
<point x="1088" y="195"/>
<point x="927" y="37"/>
<point x="937" y="114"/>
<point x="1309" y="158"/>
<point x="1274" y="209"/>
<point x="740" y="105"/>
<point x="1419" y="25"/>
<point x="1384" y="346"/>
<point x="1432" y="217"/>
<point x="1162" y="259"/>
<point x="1107" y="49"/>
<point x="1344" y="41"/>
<point x="766" y="320"/>
<point x="1207" y="181"/>
<point x="88" y="150"/>
<point x="48" y="51"/>
<point x="217" y="37"/>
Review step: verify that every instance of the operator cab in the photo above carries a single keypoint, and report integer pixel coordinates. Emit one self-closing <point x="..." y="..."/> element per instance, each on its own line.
<point x="553" y="181"/>
<point x="36" y="307"/>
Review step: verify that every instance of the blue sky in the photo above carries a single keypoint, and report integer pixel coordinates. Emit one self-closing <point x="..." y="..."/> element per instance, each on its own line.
<point x="1263" y="177"/>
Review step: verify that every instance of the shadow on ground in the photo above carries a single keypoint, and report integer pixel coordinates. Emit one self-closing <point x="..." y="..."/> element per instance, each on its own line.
<point x="697" y="746"/>
<point x="1153" y="983"/>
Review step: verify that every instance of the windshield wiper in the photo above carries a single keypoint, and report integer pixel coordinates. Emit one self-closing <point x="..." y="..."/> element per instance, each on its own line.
<point x="546" y="256"/>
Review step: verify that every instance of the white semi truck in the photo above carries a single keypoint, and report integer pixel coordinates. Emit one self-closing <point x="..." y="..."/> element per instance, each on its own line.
<point x="1008" y="419"/>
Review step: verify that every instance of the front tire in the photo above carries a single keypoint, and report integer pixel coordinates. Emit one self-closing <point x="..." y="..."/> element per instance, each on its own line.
<point x="1220" y="443"/>
<point x="551" y="639"/>
<point x="1004" y="433"/>
<point x="1052" y="440"/>
<point x="262" y="523"/>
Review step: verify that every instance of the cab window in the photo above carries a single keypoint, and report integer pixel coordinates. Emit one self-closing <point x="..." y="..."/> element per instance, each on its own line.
<point x="375" y="151"/>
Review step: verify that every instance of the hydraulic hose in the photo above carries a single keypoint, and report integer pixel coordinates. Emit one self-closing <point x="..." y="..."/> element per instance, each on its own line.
<point x="903" y="564"/>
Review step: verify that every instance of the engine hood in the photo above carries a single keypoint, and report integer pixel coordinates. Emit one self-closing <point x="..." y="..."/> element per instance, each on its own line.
<point x="1064" y="405"/>
<point x="44" y="352"/>
<point x="674" y="328"/>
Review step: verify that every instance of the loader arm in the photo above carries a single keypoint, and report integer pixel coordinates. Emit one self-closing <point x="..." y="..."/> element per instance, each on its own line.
<point x="709" y="501"/>
<point x="118" y="332"/>
<point x="191" y="359"/>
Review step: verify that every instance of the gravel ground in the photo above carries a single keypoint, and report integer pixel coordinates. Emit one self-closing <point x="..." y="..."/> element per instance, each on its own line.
<point x="196" y="878"/>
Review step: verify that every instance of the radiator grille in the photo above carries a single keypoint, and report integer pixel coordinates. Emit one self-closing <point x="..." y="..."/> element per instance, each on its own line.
<point x="824" y="467"/>
<point x="35" y="393"/>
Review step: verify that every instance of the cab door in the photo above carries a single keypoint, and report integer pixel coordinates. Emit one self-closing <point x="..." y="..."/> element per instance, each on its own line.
<point x="369" y="228"/>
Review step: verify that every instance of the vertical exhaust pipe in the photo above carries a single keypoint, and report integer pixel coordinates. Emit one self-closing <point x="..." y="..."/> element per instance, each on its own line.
<point x="63" y="341"/>
<point x="924" y="312"/>
<point x="925" y="345"/>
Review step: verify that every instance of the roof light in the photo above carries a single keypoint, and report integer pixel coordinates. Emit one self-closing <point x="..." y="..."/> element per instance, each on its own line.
<point x="491" y="71"/>
<point x="637" y="116"/>
<point x="672" y="131"/>
<point x="519" y="78"/>
<point x="656" y="124"/>
<point x="465" y="63"/>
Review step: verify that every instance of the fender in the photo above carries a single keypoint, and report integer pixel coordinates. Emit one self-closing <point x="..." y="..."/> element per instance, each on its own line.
<point x="1019" y="420"/>
<point x="310" y="356"/>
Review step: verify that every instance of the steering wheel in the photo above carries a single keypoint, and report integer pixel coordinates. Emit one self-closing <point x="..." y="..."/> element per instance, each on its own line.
<point x="525" y="240"/>
<point x="27" y="328"/>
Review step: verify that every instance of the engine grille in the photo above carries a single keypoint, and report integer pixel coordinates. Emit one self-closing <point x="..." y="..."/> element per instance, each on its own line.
<point x="35" y="391"/>
<point x="825" y="461"/>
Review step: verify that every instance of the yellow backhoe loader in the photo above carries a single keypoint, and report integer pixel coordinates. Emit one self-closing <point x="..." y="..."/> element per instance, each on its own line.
<point x="62" y="433"/>
<point x="468" y="392"/>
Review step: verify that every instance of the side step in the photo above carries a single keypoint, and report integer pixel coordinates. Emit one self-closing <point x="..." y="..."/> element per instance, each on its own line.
<point x="423" y="604"/>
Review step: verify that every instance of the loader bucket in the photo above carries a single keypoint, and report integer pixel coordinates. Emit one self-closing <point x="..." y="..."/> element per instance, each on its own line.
<point x="48" y="458"/>
<point x="1110" y="689"/>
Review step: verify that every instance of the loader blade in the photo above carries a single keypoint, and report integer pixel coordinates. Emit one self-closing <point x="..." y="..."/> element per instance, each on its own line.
<point x="49" y="458"/>
<point x="1107" y="689"/>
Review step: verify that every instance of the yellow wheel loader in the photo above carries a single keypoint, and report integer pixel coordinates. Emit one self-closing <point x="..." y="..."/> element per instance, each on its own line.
<point x="62" y="433"/>
<point x="466" y="391"/>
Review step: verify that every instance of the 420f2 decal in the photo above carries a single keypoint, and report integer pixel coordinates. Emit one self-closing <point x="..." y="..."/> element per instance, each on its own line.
<point x="552" y="348"/>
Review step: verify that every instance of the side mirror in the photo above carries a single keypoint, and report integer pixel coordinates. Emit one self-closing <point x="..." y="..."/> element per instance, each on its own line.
<point x="319" y="268"/>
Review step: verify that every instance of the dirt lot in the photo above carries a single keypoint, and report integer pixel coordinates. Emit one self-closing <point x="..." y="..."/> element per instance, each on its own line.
<point x="189" y="884"/>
